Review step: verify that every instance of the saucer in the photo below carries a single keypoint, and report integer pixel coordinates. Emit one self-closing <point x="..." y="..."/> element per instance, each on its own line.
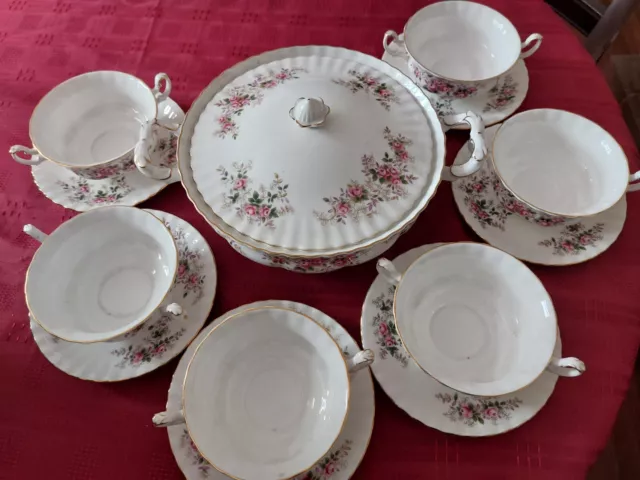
<point x="552" y="245"/>
<point x="160" y="338"/>
<point x="129" y="188"/>
<point x="505" y="98"/>
<point x="420" y="395"/>
<point x="348" y="450"/>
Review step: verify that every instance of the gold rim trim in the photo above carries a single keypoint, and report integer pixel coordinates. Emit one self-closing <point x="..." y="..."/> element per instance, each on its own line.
<point x="241" y="313"/>
<point x="424" y="369"/>
<point x="171" y="357"/>
<point x="69" y="80"/>
<point x="527" y="202"/>
<point x="408" y="221"/>
<point x="506" y="20"/>
<point x="138" y="323"/>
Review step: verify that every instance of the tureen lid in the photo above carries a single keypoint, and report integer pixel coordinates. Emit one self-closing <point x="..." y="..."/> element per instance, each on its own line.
<point x="313" y="150"/>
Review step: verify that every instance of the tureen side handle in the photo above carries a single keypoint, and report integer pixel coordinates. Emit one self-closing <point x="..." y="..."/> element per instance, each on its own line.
<point x="398" y="49"/>
<point x="167" y="419"/>
<point x="536" y="40"/>
<point x="388" y="271"/>
<point x="19" y="154"/>
<point x="634" y="178"/>
<point x="476" y="138"/>
<point x="160" y="94"/>
<point x="360" y="360"/>
<point x="34" y="233"/>
<point x="142" y="154"/>
<point x="567" y="367"/>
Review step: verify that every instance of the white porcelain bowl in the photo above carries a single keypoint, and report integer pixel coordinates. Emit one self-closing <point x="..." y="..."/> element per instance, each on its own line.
<point x="475" y="318"/>
<point x="101" y="274"/>
<point x="560" y="163"/>
<point x="462" y="40"/>
<point x="266" y="394"/>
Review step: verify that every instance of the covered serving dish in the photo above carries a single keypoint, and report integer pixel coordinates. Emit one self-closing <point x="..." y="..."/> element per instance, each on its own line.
<point x="311" y="158"/>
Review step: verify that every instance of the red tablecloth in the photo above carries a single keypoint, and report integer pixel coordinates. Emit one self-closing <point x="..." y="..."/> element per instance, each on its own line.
<point x="56" y="426"/>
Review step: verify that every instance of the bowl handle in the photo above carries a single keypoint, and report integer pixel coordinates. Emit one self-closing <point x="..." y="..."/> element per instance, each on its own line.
<point x="476" y="138"/>
<point x="160" y="94"/>
<point x="34" y="233"/>
<point x="536" y="40"/>
<point x="566" y="367"/>
<point x="398" y="49"/>
<point x="167" y="419"/>
<point x="142" y="154"/>
<point x="360" y="360"/>
<point x="19" y="153"/>
<point x="634" y="178"/>
<point x="388" y="271"/>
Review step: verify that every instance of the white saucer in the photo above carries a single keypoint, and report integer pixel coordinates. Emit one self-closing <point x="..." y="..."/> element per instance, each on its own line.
<point x="493" y="109"/>
<point x="77" y="193"/>
<point x="349" y="449"/>
<point x="424" y="398"/>
<point x="159" y="339"/>
<point x="553" y="245"/>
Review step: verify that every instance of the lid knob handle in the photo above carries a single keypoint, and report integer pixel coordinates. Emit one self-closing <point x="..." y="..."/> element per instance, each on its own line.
<point x="309" y="112"/>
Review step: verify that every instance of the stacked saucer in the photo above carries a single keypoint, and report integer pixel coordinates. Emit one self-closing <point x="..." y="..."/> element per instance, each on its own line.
<point x="265" y="408"/>
<point x="465" y="366"/>
<point x="108" y="318"/>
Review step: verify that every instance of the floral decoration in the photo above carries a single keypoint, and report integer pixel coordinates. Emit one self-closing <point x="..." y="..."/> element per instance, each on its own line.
<point x="154" y="345"/>
<point x="331" y="464"/>
<point x="113" y="168"/>
<point x="574" y="239"/>
<point x="190" y="275"/>
<point x="385" y="180"/>
<point x="262" y="205"/>
<point x="197" y="460"/>
<point x="501" y="95"/>
<point x="384" y="329"/>
<point x="326" y="468"/>
<point x="487" y="212"/>
<point x="493" y="213"/>
<point x="383" y="93"/>
<point x="89" y="192"/>
<point x="251" y="94"/>
<point x="477" y="410"/>
<point x="313" y="265"/>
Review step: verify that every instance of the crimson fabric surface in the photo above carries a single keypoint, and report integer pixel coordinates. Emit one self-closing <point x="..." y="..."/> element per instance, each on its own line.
<point x="55" y="426"/>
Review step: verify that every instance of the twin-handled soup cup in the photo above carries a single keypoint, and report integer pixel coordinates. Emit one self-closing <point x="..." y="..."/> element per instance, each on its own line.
<point x="97" y="125"/>
<point x="459" y="49"/>
<point x="101" y="274"/>
<point x="476" y="319"/>
<point x="266" y="394"/>
<point x="556" y="167"/>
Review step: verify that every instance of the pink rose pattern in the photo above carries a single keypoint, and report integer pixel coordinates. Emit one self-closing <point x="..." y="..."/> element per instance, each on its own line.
<point x="477" y="410"/>
<point x="262" y="205"/>
<point x="384" y="329"/>
<point x="502" y="95"/>
<point x="384" y="181"/>
<point x="382" y="92"/>
<point x="251" y="94"/>
<point x="190" y="274"/>
<point x="493" y="213"/>
<point x="154" y="345"/>
<point x="101" y="172"/>
<point x="574" y="239"/>
<point x="112" y="190"/>
<point x="444" y="92"/>
<point x="334" y="462"/>
<point x="313" y="265"/>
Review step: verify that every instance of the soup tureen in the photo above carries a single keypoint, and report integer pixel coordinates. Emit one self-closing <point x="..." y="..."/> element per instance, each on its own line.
<point x="311" y="158"/>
